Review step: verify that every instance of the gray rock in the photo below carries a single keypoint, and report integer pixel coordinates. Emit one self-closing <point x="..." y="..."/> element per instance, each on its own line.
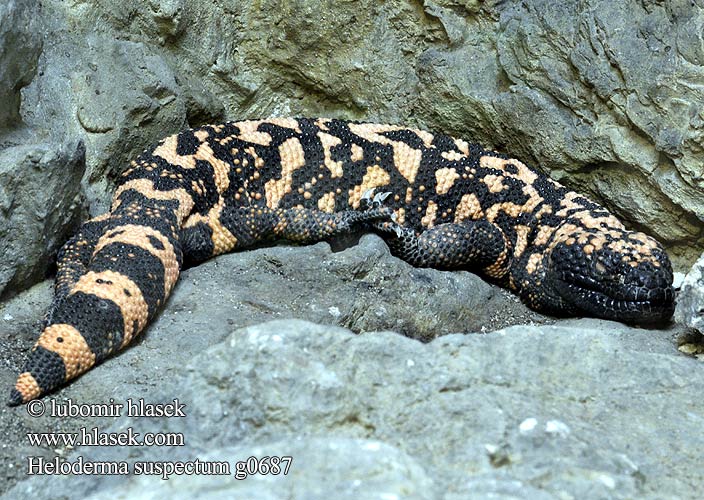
<point x="570" y="410"/>
<point x="127" y="97"/>
<point x="362" y="287"/>
<point x="33" y="226"/>
<point x="343" y="467"/>
<point x="117" y="96"/>
<point x="20" y="46"/>
<point x="690" y="300"/>
<point x="111" y="96"/>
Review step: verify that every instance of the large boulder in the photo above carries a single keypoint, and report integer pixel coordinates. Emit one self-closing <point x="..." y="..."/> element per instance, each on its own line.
<point x="40" y="204"/>
<point x="573" y="410"/>
<point x="570" y="408"/>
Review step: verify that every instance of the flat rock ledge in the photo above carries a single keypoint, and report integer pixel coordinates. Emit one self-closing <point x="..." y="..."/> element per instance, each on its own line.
<point x="583" y="409"/>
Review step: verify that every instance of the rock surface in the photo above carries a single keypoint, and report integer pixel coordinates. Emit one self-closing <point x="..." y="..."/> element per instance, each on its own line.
<point x="604" y="95"/>
<point x="580" y="408"/>
<point x="20" y="46"/>
<point x="464" y="416"/>
<point x="690" y="300"/>
<point x="40" y="206"/>
<point x="363" y="288"/>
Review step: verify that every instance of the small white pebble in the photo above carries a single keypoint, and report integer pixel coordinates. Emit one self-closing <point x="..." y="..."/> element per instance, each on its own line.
<point x="527" y="425"/>
<point x="607" y="481"/>
<point x="557" y="427"/>
<point x="372" y="446"/>
<point x="276" y="338"/>
<point x="410" y="362"/>
<point x="334" y="312"/>
<point x="8" y="317"/>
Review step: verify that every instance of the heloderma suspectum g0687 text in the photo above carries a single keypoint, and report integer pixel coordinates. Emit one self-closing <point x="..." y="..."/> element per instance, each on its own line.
<point x="437" y="201"/>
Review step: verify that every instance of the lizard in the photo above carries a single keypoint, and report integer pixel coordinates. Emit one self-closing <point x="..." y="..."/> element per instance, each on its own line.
<point x="437" y="201"/>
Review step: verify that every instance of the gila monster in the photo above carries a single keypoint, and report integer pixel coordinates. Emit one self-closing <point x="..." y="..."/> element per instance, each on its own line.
<point x="441" y="202"/>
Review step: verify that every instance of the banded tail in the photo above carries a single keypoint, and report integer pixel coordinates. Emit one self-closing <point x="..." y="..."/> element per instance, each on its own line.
<point x="112" y="279"/>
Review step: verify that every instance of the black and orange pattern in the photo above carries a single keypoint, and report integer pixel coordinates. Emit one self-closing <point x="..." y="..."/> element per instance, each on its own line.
<point x="441" y="202"/>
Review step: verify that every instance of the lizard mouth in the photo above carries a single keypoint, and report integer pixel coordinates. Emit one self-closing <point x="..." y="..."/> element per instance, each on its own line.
<point x="614" y="300"/>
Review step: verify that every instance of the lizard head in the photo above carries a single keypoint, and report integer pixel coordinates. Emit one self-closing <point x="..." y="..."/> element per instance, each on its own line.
<point x="610" y="273"/>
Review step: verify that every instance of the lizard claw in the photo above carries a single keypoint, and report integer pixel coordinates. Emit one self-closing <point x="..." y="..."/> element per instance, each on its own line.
<point x="388" y="227"/>
<point x="379" y="198"/>
<point x="371" y="200"/>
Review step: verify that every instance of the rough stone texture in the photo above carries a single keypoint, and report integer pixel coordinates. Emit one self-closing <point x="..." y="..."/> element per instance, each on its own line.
<point x="581" y="409"/>
<point x="116" y="96"/>
<point x="20" y="45"/>
<point x="604" y="95"/>
<point x="39" y="207"/>
<point x="690" y="300"/>
<point x="323" y="468"/>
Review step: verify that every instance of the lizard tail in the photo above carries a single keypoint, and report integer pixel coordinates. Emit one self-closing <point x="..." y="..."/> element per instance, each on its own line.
<point x="130" y="273"/>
